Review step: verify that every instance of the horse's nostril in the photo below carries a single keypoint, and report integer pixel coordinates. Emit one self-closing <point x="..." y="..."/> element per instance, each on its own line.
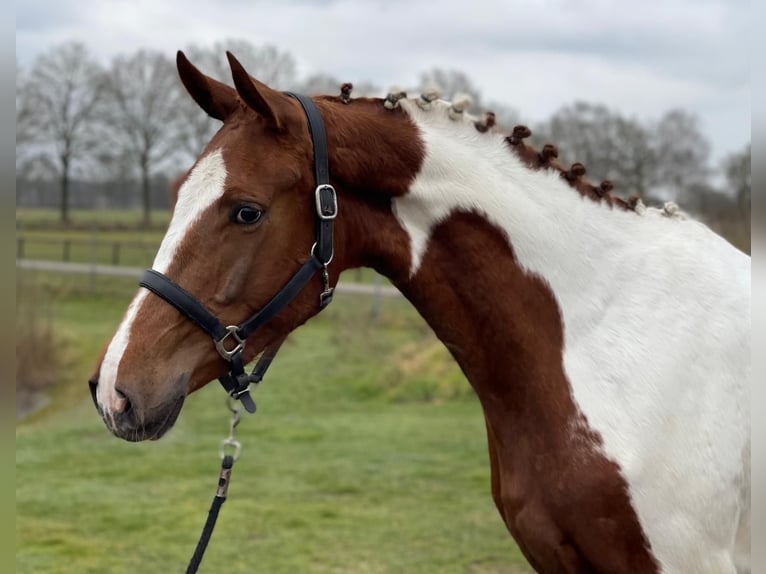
<point x="127" y="403"/>
<point x="124" y="416"/>
<point x="126" y="412"/>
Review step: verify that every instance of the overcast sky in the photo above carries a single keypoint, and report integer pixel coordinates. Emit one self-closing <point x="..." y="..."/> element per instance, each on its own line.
<point x="640" y="57"/>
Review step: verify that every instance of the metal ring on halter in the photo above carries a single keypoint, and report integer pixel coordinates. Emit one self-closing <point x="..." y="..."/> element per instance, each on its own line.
<point x="231" y="331"/>
<point x="313" y="254"/>
<point x="232" y="444"/>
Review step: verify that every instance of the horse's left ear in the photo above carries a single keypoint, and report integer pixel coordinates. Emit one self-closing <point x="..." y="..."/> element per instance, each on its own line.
<point x="275" y="107"/>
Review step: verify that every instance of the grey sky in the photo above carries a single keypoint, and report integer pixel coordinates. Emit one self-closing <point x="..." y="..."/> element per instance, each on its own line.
<point x="639" y="57"/>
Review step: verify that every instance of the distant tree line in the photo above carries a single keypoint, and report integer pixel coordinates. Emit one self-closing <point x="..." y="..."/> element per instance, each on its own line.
<point x="118" y="134"/>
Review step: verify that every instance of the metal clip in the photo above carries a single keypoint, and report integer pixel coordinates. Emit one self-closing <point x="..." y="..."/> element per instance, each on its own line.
<point x="325" y="297"/>
<point x="230" y="445"/>
<point x="223" y="481"/>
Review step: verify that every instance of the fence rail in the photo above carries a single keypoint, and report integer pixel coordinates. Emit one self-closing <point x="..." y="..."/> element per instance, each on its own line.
<point x="94" y="247"/>
<point x="95" y="269"/>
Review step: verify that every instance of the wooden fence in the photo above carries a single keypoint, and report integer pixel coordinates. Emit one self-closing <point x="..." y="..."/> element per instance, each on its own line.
<point x="94" y="250"/>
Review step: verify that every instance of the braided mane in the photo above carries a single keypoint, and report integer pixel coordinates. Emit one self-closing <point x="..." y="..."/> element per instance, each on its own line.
<point x="545" y="158"/>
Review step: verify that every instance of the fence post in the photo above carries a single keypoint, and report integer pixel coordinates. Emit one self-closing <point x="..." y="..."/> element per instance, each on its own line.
<point x="93" y="249"/>
<point x="19" y="247"/>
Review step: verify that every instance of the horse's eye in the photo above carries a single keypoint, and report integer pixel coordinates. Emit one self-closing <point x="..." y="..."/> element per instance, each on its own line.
<point x="246" y="215"/>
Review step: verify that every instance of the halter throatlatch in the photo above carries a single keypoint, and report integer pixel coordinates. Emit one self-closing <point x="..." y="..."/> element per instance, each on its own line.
<point x="230" y="340"/>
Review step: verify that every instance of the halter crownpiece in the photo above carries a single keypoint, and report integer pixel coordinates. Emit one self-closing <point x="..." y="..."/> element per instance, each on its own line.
<point x="230" y="340"/>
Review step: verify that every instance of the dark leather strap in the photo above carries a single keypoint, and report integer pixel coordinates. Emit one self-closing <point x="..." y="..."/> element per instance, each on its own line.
<point x="237" y="382"/>
<point x="318" y="137"/>
<point x="188" y="305"/>
<point x="264" y="362"/>
<point x="326" y="201"/>
<point x="283" y="297"/>
<point x="212" y="516"/>
<point x="182" y="300"/>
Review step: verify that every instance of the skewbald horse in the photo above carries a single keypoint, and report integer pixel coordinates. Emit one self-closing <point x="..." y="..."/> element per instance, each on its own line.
<point x="608" y="343"/>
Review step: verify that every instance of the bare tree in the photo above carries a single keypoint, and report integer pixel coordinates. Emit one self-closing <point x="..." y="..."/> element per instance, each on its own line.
<point x="23" y="124"/>
<point x="266" y="63"/>
<point x="682" y="152"/>
<point x="505" y="116"/>
<point x="145" y="115"/>
<point x="366" y="89"/>
<point x="327" y="84"/>
<point x="198" y="129"/>
<point x="635" y="165"/>
<point x="582" y="132"/>
<point x="23" y="110"/>
<point x="59" y="103"/>
<point x="320" y="84"/>
<point x="451" y="83"/>
<point x="608" y="144"/>
<point x="736" y="169"/>
<point x="455" y="82"/>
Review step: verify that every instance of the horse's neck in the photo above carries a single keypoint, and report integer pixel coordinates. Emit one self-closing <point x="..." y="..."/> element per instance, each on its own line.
<point x="534" y="249"/>
<point x="491" y="252"/>
<point x="501" y="312"/>
<point x="501" y="324"/>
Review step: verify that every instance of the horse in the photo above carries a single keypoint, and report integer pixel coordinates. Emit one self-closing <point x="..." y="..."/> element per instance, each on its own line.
<point x="607" y="341"/>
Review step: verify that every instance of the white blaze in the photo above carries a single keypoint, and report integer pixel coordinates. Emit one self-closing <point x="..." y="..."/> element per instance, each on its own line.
<point x="203" y="187"/>
<point x="656" y="316"/>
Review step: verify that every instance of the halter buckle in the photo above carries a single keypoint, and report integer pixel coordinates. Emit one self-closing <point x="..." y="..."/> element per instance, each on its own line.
<point x="231" y="330"/>
<point x="326" y="202"/>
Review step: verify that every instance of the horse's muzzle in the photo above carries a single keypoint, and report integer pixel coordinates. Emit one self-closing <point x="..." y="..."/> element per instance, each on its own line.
<point x="135" y="422"/>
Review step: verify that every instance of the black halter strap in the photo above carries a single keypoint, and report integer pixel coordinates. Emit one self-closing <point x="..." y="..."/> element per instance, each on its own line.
<point x="237" y="381"/>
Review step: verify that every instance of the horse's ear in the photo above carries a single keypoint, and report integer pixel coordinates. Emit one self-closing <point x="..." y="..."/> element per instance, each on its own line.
<point x="274" y="106"/>
<point x="217" y="99"/>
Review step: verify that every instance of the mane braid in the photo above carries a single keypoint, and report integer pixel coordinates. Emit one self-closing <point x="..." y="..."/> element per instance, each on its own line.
<point x="545" y="158"/>
<point x="345" y="92"/>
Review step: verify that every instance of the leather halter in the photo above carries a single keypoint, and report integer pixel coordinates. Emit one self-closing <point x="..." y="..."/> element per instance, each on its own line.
<point x="237" y="382"/>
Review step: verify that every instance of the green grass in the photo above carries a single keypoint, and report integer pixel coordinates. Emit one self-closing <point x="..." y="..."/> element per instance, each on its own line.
<point x="91" y="236"/>
<point x="344" y="469"/>
<point x="90" y="218"/>
<point x="135" y="248"/>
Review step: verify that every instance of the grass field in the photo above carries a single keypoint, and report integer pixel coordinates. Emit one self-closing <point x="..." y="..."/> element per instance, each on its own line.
<point x="40" y="218"/>
<point x="94" y="236"/>
<point x="367" y="454"/>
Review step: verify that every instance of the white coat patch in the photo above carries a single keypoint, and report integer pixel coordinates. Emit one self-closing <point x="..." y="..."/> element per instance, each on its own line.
<point x="203" y="187"/>
<point x="656" y="316"/>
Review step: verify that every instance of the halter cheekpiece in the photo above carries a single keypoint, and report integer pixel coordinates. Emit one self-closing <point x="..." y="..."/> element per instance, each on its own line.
<point x="230" y="340"/>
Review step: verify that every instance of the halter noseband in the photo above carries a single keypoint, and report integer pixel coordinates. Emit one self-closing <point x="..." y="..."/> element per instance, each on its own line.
<point x="237" y="381"/>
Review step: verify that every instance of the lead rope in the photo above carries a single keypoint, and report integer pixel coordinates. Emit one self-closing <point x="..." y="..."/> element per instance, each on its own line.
<point x="229" y="451"/>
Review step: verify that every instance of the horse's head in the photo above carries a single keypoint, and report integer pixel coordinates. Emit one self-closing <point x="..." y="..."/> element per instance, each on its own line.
<point x="243" y="223"/>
